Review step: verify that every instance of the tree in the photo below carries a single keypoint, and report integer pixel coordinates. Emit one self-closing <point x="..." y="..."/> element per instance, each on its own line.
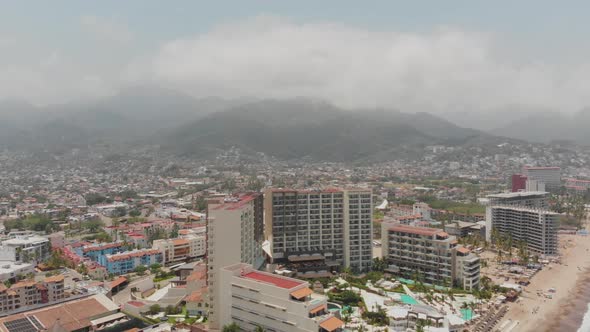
<point x="233" y="327"/>
<point x="174" y="231"/>
<point x="154" y="309"/>
<point x="140" y="270"/>
<point x="259" y="329"/>
<point x="134" y="213"/>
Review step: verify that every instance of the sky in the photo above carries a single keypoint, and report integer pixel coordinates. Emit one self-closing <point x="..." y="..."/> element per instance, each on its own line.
<point x="432" y="56"/>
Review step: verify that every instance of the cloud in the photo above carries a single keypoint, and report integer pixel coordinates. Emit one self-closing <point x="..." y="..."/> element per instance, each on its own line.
<point x="443" y="69"/>
<point x="107" y="29"/>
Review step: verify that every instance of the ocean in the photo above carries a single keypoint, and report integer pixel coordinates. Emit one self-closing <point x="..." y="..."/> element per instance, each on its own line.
<point x="585" y="327"/>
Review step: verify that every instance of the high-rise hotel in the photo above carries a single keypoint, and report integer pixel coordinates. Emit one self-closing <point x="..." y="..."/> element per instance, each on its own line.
<point x="234" y="235"/>
<point x="320" y="230"/>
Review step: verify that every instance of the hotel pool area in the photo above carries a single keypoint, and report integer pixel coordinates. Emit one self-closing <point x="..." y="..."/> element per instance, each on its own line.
<point x="334" y="307"/>
<point x="407" y="299"/>
<point x="467" y="314"/>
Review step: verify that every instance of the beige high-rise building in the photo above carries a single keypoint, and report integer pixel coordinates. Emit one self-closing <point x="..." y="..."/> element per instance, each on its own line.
<point x="254" y="299"/>
<point x="429" y="254"/>
<point x="234" y="235"/>
<point x="326" y="228"/>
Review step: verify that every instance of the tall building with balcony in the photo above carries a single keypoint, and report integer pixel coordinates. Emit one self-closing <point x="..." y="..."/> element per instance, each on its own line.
<point x="234" y="235"/>
<point x="326" y="228"/>
<point x="253" y="299"/>
<point x="429" y="255"/>
<point x="534" y="226"/>
<point x="551" y="176"/>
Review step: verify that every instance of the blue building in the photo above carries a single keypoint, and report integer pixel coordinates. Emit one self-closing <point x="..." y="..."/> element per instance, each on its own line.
<point x="125" y="262"/>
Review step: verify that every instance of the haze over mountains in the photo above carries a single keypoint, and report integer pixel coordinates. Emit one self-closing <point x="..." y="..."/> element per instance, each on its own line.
<point x="292" y="128"/>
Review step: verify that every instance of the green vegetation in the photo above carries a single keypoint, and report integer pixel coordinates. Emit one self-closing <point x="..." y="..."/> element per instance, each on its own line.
<point x="346" y="297"/>
<point x="453" y="206"/>
<point x="233" y="327"/>
<point x="37" y="222"/>
<point x="154" y="309"/>
<point x="95" y="198"/>
<point x="377" y="318"/>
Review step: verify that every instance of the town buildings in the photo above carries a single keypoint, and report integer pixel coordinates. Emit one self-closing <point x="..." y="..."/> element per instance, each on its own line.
<point x="332" y="227"/>
<point x="180" y="249"/>
<point x="85" y="314"/>
<point x="125" y="262"/>
<point x="234" y="234"/>
<point x="430" y="255"/>
<point x="252" y="298"/>
<point x="28" y="293"/>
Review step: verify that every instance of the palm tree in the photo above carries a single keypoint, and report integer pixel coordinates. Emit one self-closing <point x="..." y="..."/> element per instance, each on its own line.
<point x="233" y="327"/>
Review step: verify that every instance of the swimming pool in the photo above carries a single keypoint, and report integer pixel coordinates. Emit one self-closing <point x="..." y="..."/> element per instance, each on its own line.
<point x="467" y="314"/>
<point x="407" y="299"/>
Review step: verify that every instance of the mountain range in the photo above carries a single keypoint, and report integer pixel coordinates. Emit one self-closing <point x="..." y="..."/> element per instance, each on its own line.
<point x="294" y="128"/>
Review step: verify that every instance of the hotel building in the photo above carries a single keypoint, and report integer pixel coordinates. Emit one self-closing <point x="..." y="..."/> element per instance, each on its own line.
<point x="234" y="235"/>
<point x="429" y="254"/>
<point x="525" y="217"/>
<point x="330" y="227"/>
<point x="536" y="227"/>
<point x="551" y="176"/>
<point x="252" y="298"/>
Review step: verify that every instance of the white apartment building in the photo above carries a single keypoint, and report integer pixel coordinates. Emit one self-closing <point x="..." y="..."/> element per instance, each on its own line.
<point x="334" y="225"/>
<point x="29" y="248"/>
<point x="429" y="254"/>
<point x="551" y="176"/>
<point x="234" y="235"/>
<point x="9" y="270"/>
<point x="252" y="298"/>
<point x="182" y="248"/>
<point x="536" y="227"/>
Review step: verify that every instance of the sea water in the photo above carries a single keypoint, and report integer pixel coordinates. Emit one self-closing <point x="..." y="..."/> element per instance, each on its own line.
<point x="585" y="327"/>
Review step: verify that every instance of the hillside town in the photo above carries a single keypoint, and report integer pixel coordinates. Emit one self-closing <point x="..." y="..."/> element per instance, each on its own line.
<point x="228" y="244"/>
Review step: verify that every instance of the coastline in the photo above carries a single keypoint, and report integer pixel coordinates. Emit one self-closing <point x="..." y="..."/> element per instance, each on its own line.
<point x="571" y="280"/>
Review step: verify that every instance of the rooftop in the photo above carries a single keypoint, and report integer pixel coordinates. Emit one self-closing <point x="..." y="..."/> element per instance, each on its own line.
<point x="282" y="282"/>
<point x="518" y="194"/>
<point x="73" y="315"/>
<point x="235" y="202"/>
<point x="418" y="230"/>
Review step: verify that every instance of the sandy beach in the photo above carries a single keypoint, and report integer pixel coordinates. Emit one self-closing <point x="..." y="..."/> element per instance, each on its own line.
<point x="564" y="312"/>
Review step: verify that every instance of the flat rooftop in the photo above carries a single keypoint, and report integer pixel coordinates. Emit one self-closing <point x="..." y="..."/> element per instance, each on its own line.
<point x="518" y="194"/>
<point x="282" y="282"/>
<point x="234" y="203"/>
<point x="418" y="230"/>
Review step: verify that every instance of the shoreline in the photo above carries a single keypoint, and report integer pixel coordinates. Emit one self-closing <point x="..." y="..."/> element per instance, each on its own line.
<point x="571" y="280"/>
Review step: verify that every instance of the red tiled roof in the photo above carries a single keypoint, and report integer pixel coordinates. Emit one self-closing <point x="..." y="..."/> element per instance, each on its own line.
<point x="118" y="281"/>
<point x="136" y="304"/>
<point x="282" y="282"/>
<point x="416" y="230"/>
<point x="103" y="246"/>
